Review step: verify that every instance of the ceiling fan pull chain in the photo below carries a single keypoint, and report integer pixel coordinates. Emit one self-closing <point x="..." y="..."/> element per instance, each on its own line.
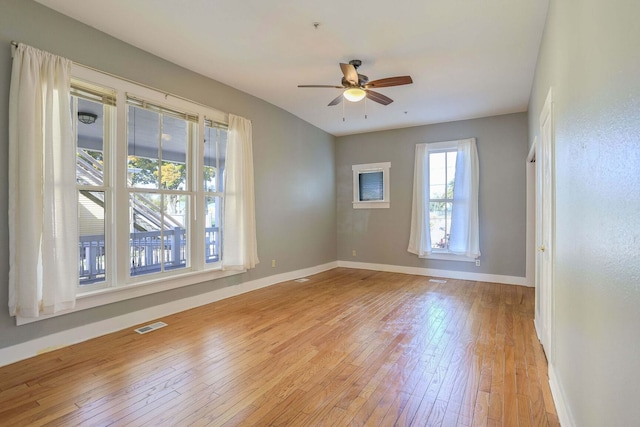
<point x="365" y="109"/>
<point x="343" y="111"/>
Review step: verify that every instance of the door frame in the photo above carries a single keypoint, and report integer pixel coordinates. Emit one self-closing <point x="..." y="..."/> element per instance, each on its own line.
<point x="545" y="231"/>
<point x="530" y="168"/>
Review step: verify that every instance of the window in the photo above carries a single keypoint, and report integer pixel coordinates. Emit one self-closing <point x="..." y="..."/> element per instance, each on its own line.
<point x="444" y="220"/>
<point x="160" y="194"/>
<point x="139" y="202"/>
<point x="371" y="185"/>
<point x="442" y="173"/>
<point x="92" y="110"/>
<point x="128" y="186"/>
<point x="215" y="147"/>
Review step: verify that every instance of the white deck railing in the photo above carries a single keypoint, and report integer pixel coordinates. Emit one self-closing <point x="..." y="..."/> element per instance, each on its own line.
<point x="148" y="253"/>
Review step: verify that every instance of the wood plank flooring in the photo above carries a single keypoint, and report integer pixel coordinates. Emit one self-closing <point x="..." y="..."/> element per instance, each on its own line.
<point x="348" y="347"/>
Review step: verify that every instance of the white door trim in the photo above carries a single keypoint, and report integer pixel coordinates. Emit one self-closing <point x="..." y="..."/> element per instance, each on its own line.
<point x="545" y="227"/>
<point x="530" y="271"/>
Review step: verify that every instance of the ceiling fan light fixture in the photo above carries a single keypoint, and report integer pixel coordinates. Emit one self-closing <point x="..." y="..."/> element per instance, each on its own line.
<point x="87" y="118"/>
<point x="354" y="94"/>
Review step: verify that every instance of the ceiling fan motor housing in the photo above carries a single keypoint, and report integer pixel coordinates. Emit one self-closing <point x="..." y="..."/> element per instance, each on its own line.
<point x="362" y="80"/>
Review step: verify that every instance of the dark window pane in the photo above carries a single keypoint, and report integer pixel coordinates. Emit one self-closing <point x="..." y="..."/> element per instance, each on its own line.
<point x="371" y="186"/>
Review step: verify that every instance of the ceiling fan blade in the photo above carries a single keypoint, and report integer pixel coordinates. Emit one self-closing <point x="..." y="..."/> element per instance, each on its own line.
<point x="337" y="87"/>
<point x="350" y="73"/>
<point x="379" y="98"/>
<point x="390" y="81"/>
<point x="336" y="101"/>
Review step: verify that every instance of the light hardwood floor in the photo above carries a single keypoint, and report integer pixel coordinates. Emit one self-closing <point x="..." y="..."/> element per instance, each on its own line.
<point x="348" y="347"/>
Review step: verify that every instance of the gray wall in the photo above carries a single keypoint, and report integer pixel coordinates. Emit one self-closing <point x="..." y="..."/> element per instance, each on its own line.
<point x="590" y="57"/>
<point x="294" y="228"/>
<point x="382" y="235"/>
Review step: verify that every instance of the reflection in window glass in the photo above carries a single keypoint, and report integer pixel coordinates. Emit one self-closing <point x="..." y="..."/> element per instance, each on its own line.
<point x="143" y="145"/>
<point x="173" y="172"/>
<point x="442" y="173"/>
<point x="215" y="148"/>
<point x="145" y="242"/>
<point x="90" y="144"/>
<point x="92" y="257"/>
<point x="175" y="231"/>
<point x="213" y="219"/>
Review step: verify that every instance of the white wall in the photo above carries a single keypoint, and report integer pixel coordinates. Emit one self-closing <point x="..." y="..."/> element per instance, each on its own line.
<point x="590" y="55"/>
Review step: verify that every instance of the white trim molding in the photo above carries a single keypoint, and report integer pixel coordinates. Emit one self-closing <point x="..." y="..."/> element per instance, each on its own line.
<point x="371" y="168"/>
<point x="86" y="332"/>
<point x="559" y="399"/>
<point x="447" y="274"/>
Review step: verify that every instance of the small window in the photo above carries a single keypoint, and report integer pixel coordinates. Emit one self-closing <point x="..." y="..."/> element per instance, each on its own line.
<point x="371" y="185"/>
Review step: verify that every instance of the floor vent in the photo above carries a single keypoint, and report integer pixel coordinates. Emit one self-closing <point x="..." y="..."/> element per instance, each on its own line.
<point x="437" y="281"/>
<point x="151" y="327"/>
<point x="301" y="280"/>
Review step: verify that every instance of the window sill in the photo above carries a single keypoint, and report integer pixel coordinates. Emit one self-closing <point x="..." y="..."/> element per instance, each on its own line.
<point x="106" y="296"/>
<point x="446" y="256"/>
<point x="370" y="205"/>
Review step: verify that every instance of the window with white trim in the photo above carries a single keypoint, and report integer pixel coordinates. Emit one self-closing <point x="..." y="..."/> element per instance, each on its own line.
<point x="442" y="174"/>
<point x="93" y="114"/>
<point x="371" y="185"/>
<point x="150" y="181"/>
<point x="444" y="215"/>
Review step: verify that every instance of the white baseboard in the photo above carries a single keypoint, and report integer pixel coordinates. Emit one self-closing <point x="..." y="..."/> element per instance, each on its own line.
<point x="536" y="324"/>
<point x="448" y="274"/>
<point x="86" y="332"/>
<point x="68" y="337"/>
<point x="559" y="399"/>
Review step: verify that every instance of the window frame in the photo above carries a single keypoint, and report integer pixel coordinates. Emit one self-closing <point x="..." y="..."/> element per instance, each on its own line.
<point x="191" y="191"/>
<point x="358" y="170"/>
<point x="119" y="285"/>
<point x="108" y="140"/>
<point x="440" y="253"/>
<point x="125" y="90"/>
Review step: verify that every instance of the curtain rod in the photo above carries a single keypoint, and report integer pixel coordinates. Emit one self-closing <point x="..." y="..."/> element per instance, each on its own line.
<point x="14" y="46"/>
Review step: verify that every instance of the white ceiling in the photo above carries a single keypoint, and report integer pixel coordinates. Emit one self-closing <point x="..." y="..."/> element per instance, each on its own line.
<point x="467" y="58"/>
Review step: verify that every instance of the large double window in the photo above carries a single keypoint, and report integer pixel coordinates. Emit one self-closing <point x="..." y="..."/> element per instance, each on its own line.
<point x="114" y="186"/>
<point x="150" y="181"/>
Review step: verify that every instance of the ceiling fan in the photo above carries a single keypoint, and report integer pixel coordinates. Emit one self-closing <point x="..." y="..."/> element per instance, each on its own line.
<point x="357" y="86"/>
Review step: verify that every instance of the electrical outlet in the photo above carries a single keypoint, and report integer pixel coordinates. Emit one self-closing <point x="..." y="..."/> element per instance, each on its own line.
<point x="477" y="263"/>
<point x="353" y="252"/>
<point x="273" y="263"/>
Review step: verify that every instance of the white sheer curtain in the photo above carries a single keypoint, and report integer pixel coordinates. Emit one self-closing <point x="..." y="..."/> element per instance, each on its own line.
<point x="465" y="227"/>
<point x="239" y="246"/>
<point x="420" y="236"/>
<point x="43" y="224"/>
<point x="464" y="234"/>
